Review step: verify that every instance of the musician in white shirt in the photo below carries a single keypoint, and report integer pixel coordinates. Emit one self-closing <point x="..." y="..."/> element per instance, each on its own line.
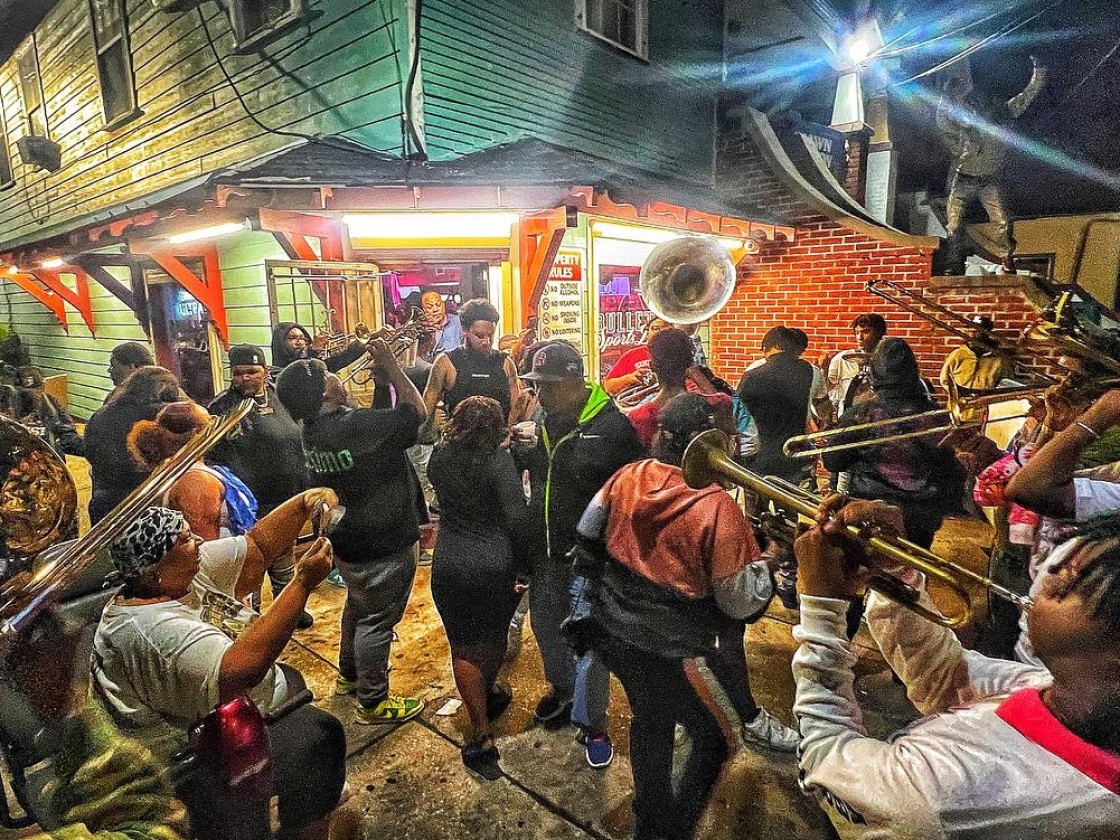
<point x="1008" y="751"/>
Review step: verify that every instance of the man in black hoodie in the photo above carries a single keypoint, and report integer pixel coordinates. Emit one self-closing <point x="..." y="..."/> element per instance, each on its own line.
<point x="292" y="342"/>
<point x="584" y="439"/>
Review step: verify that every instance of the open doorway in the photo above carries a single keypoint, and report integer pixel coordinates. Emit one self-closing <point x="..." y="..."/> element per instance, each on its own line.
<point x="182" y="336"/>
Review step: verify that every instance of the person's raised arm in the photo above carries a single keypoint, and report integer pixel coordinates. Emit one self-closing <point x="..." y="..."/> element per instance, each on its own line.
<point x="514" y="390"/>
<point x="247" y="661"/>
<point x="275" y="534"/>
<point x="438" y="379"/>
<point x="1045" y="484"/>
<point x="389" y="368"/>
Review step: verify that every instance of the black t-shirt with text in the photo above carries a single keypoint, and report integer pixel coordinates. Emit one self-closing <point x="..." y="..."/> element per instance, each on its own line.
<point x="360" y="454"/>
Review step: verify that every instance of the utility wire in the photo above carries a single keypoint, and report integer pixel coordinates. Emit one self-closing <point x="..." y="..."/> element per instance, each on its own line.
<point x="310" y="138"/>
<point x="1088" y="75"/>
<point x="983" y="42"/>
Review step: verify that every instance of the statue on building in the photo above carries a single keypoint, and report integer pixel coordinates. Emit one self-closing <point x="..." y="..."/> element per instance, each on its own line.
<point x="974" y="127"/>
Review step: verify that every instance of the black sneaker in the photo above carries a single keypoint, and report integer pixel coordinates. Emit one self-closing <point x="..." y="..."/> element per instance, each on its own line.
<point x="552" y="712"/>
<point x="306" y="621"/>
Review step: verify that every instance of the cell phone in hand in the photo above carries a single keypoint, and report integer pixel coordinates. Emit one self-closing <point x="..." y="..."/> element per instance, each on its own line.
<point x="324" y="522"/>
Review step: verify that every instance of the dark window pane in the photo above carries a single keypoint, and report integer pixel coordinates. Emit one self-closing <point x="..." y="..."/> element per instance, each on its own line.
<point x="5" y="163"/>
<point x="116" y="81"/>
<point x="615" y="20"/>
<point x="263" y="14"/>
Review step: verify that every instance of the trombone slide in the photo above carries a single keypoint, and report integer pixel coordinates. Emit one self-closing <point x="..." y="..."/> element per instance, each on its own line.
<point x="706" y="460"/>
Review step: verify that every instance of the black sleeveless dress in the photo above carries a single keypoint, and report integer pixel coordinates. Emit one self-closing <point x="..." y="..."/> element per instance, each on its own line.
<point x="479" y="550"/>
<point x="478" y="376"/>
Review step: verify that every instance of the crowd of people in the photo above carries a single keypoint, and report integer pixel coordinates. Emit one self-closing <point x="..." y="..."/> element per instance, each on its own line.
<point x="548" y="493"/>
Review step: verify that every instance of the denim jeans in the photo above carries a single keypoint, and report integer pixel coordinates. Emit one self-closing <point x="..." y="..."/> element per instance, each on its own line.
<point x="585" y="681"/>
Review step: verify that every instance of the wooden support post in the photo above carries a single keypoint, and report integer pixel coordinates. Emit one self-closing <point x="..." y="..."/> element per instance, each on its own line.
<point x="539" y="238"/>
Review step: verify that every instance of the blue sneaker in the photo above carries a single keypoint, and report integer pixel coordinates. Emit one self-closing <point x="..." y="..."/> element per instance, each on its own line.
<point x="600" y="750"/>
<point x="335" y="579"/>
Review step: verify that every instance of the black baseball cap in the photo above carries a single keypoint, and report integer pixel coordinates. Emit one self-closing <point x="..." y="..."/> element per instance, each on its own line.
<point x="246" y="354"/>
<point x="555" y="362"/>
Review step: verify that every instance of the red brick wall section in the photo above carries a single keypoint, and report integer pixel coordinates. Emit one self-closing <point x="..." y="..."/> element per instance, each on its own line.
<point x="818" y="282"/>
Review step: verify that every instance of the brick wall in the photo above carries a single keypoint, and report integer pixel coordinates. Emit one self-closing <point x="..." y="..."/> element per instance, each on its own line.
<point x="818" y="282"/>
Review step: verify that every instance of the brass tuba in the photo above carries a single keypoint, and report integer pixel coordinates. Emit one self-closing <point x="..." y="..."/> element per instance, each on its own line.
<point x="38" y="500"/>
<point x="687" y="280"/>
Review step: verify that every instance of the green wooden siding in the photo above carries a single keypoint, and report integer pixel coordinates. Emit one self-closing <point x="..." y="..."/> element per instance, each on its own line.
<point x="84" y="358"/>
<point x="498" y="70"/>
<point x="339" y="72"/>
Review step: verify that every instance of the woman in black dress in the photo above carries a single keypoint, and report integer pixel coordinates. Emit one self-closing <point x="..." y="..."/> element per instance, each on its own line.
<point x="474" y="571"/>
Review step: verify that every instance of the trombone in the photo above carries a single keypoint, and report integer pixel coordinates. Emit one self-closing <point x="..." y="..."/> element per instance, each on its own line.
<point x="706" y="461"/>
<point x="959" y="413"/>
<point x="19" y="605"/>
<point x="939" y="315"/>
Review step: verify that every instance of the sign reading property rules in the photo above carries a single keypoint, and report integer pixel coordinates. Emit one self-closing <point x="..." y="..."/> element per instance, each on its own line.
<point x="561" y="308"/>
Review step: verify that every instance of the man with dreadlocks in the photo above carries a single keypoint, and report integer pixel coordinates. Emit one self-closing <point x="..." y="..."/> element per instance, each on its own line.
<point x="1009" y="750"/>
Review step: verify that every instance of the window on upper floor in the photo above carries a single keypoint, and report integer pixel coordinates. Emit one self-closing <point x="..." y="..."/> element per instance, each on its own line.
<point x="623" y="23"/>
<point x="31" y="89"/>
<point x="114" y="61"/>
<point x="256" y="21"/>
<point x="6" y="175"/>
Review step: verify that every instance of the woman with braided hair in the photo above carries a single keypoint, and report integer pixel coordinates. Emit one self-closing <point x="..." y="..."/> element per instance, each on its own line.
<point x="474" y="571"/>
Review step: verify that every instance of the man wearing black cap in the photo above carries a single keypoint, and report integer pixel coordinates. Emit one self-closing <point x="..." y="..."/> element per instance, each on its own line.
<point x="268" y="454"/>
<point x="360" y="454"/>
<point x="583" y="440"/>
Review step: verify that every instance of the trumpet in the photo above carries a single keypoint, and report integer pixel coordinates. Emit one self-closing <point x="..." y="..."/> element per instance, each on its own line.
<point x="400" y="340"/>
<point x="966" y="408"/>
<point x="706" y="461"/>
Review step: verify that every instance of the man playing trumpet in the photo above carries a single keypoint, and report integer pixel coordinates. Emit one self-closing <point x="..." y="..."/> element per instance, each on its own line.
<point x="1009" y="750"/>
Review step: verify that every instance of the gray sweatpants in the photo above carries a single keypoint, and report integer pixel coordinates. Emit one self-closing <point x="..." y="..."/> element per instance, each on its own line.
<point x="584" y="681"/>
<point x="377" y="593"/>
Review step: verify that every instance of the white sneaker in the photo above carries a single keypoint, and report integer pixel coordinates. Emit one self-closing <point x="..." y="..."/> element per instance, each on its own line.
<point x="765" y="731"/>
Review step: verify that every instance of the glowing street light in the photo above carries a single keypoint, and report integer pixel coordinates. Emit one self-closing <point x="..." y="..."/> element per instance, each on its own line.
<point x="858" y="49"/>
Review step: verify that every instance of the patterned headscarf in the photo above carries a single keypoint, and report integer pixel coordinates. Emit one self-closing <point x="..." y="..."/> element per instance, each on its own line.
<point x="146" y="541"/>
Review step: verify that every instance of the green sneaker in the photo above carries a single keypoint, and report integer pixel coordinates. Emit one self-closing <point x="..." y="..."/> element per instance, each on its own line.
<point x="392" y="709"/>
<point x="344" y="687"/>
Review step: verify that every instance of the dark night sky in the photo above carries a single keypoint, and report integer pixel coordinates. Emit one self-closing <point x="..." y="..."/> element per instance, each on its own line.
<point x="1075" y="119"/>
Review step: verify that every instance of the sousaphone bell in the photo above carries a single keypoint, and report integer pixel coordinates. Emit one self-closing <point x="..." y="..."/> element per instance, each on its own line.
<point x="687" y="280"/>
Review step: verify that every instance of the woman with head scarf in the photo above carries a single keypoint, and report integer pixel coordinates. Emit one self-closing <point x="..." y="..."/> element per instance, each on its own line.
<point x="177" y="640"/>
<point x="474" y="571"/>
<point x="918" y="476"/>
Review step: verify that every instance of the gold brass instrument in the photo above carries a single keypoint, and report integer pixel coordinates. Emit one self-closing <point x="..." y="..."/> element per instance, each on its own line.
<point x="965" y="409"/>
<point x="630" y="398"/>
<point x="400" y="340"/>
<point x="38" y="501"/>
<point x="706" y="461"/>
<point x="21" y="602"/>
<point x="687" y="280"/>
<point x="940" y="316"/>
<point x="1062" y="328"/>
